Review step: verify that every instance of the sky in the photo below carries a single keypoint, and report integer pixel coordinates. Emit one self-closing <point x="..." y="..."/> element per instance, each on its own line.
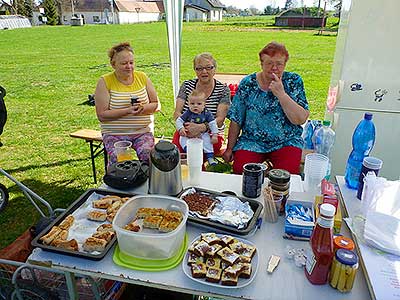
<point x="261" y="4"/>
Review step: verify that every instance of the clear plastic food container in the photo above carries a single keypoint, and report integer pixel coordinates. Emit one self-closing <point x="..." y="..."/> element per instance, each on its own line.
<point x="150" y="243"/>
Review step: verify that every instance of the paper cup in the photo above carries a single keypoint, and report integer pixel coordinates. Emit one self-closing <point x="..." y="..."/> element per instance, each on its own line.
<point x="194" y="152"/>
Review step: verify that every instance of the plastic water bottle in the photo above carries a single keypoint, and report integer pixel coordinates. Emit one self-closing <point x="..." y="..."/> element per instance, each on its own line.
<point x="323" y="140"/>
<point x="363" y="142"/>
<point x="307" y="135"/>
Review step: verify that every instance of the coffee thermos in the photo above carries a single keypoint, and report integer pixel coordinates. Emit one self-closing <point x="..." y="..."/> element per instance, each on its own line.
<point x="165" y="170"/>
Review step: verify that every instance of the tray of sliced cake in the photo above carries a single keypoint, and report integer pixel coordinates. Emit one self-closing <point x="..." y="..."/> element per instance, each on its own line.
<point x="221" y="260"/>
<point x="84" y="229"/>
<point x="221" y="211"/>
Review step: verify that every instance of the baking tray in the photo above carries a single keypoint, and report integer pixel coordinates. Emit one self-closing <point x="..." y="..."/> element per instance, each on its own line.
<point x="73" y="207"/>
<point x="255" y="206"/>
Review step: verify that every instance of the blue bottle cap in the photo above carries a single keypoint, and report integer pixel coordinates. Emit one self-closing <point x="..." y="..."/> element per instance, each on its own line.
<point x="368" y="116"/>
<point x="346" y="257"/>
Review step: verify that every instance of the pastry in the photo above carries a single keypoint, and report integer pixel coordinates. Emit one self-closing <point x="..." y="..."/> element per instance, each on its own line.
<point x="234" y="269"/>
<point x="133" y="227"/>
<point x="201" y="248"/>
<point x="172" y="215"/>
<point x="68" y="245"/>
<point x="158" y="212"/>
<point x="191" y="247"/>
<point x="51" y="235"/>
<point x="143" y="212"/>
<point x="199" y="270"/>
<point x="67" y="222"/>
<point x="110" y="217"/>
<point x="106" y="235"/>
<point x="213" y="262"/>
<point x="94" y="244"/>
<point x="63" y="235"/>
<point x="97" y="215"/>
<point x="112" y="197"/>
<point x="213" y="275"/>
<point x="228" y="256"/>
<point x="102" y="203"/>
<point x="194" y="258"/>
<point x="244" y="259"/>
<point x="211" y="238"/>
<point x="237" y="247"/>
<point x="246" y="271"/>
<point x="226" y="240"/>
<point x="248" y="251"/>
<point x="166" y="226"/>
<point x="114" y="207"/>
<point x="213" y="250"/>
<point x="152" y="222"/>
<point x="105" y="227"/>
<point x="229" y="279"/>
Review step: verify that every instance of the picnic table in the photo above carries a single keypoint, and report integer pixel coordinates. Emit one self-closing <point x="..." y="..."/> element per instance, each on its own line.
<point x="287" y="282"/>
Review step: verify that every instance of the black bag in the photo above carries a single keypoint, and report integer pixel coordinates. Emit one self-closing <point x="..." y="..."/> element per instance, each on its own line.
<point x="3" y="110"/>
<point x="126" y="175"/>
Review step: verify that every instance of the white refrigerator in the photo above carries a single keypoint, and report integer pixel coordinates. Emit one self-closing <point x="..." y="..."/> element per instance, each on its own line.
<point x="366" y="78"/>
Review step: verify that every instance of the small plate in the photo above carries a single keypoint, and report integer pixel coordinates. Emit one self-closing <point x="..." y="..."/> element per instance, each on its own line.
<point x="242" y="282"/>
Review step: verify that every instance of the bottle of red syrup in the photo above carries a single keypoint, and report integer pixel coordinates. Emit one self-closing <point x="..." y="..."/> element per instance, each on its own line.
<point x="319" y="260"/>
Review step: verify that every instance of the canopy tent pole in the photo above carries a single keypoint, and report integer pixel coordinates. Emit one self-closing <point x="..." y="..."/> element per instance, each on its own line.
<point x="174" y="16"/>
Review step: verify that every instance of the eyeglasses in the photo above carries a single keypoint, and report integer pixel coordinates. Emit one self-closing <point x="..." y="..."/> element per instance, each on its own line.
<point x="208" y="68"/>
<point x="277" y="64"/>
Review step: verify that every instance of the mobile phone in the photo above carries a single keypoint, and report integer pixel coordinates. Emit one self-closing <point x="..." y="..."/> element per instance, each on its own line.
<point x="134" y="99"/>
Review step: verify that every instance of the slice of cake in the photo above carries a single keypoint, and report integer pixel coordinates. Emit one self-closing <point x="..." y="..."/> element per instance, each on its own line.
<point x="213" y="250"/>
<point x="193" y="258"/>
<point x="143" y="212"/>
<point x="228" y="256"/>
<point x="229" y="279"/>
<point x="213" y="275"/>
<point x="248" y="251"/>
<point x="107" y="235"/>
<point x="226" y="240"/>
<point x="199" y="270"/>
<point x="213" y="262"/>
<point x="201" y="248"/>
<point x="152" y="222"/>
<point x="234" y="269"/>
<point x="246" y="271"/>
<point x="191" y="247"/>
<point x="210" y="238"/>
<point x="97" y="215"/>
<point x="105" y="227"/>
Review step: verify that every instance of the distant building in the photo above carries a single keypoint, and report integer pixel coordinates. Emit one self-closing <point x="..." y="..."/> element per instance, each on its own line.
<point x="101" y="12"/>
<point x="203" y="10"/>
<point x="292" y="18"/>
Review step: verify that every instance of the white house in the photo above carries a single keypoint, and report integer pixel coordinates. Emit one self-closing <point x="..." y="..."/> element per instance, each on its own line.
<point x="101" y="12"/>
<point x="203" y="10"/>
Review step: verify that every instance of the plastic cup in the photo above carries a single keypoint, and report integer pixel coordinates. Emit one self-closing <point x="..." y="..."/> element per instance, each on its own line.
<point x="184" y="170"/>
<point x="123" y="150"/>
<point x="370" y="163"/>
<point x="315" y="167"/>
<point x="194" y="160"/>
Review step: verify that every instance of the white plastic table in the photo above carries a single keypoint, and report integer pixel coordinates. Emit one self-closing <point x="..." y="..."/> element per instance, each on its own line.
<point x="287" y="282"/>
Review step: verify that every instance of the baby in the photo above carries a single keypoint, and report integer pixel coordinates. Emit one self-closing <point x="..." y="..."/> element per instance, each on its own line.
<point x="197" y="113"/>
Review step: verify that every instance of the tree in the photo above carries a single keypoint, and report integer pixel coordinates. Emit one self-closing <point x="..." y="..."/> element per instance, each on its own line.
<point x="50" y="11"/>
<point x="254" y="11"/>
<point x="289" y="4"/>
<point x="28" y="4"/>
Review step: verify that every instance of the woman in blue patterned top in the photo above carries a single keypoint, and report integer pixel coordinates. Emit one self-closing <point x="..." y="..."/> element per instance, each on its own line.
<point x="266" y="115"/>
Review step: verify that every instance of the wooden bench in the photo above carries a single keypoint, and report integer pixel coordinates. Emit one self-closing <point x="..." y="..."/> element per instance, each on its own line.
<point x="95" y="140"/>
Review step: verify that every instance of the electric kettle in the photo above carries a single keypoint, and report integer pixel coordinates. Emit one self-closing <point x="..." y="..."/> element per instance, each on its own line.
<point x="165" y="170"/>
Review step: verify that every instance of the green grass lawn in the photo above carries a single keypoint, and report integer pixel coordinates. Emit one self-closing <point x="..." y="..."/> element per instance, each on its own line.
<point x="49" y="71"/>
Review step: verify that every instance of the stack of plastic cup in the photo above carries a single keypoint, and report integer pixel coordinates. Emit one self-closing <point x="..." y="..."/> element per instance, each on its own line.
<point x="194" y="160"/>
<point x="315" y="167"/>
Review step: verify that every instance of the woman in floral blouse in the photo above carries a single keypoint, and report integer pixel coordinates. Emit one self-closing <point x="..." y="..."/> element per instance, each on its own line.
<point x="266" y="115"/>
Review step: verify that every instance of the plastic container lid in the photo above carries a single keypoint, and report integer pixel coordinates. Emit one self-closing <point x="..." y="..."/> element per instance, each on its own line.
<point x="342" y="242"/>
<point x="346" y="257"/>
<point x="279" y="176"/>
<point x="326" y="123"/>
<point x="327" y="210"/>
<point x="372" y="163"/>
<point x="368" y="116"/>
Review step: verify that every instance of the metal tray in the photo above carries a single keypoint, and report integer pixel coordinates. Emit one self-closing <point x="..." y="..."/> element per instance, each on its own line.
<point x="255" y="206"/>
<point x="73" y="207"/>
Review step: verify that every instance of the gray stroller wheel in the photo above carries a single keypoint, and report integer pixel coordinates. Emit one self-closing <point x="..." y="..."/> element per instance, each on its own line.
<point x="3" y="197"/>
